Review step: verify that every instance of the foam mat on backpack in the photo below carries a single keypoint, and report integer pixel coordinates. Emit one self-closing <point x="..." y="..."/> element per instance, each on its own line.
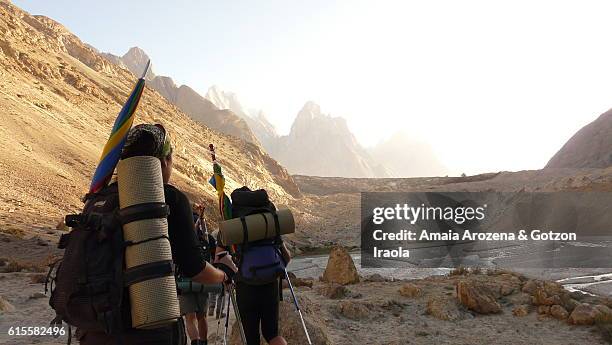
<point x="153" y="302"/>
<point x="259" y="227"/>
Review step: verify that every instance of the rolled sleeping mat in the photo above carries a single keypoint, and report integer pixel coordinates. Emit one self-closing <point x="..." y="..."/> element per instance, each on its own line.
<point x="188" y="286"/>
<point x="148" y="257"/>
<point x="258" y="227"/>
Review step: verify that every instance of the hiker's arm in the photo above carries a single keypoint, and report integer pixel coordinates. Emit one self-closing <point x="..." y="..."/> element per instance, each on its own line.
<point x="209" y="275"/>
<point x="285" y="253"/>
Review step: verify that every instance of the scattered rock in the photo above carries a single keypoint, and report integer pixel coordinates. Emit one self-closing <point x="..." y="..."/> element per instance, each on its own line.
<point x="442" y="308"/>
<point x="521" y="310"/>
<point x="583" y="314"/>
<point x="410" y="290"/>
<point x="543" y="309"/>
<point x="37" y="295"/>
<point x="558" y="312"/>
<point x="477" y="297"/>
<point x="333" y="291"/>
<point x="5" y="306"/>
<point x="340" y="268"/>
<point x="353" y="310"/>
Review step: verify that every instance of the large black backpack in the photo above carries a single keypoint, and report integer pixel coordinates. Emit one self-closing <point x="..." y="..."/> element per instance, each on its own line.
<point x="89" y="279"/>
<point x="259" y="262"/>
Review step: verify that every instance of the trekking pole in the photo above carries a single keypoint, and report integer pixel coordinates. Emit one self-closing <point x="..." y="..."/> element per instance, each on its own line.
<point x="237" y="312"/>
<point x="297" y="306"/>
<point x="219" y="321"/>
<point x="226" y="321"/>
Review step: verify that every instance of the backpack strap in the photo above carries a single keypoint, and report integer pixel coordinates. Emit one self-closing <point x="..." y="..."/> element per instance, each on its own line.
<point x="147" y="271"/>
<point x="245" y="233"/>
<point x="149" y="210"/>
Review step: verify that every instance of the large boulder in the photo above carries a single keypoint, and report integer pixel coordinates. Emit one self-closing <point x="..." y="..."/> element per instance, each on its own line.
<point x="478" y="297"/>
<point x="583" y="314"/>
<point x="340" y="268"/>
<point x="290" y="326"/>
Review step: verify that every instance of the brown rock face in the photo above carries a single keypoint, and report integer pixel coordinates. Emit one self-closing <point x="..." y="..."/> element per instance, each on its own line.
<point x="409" y="290"/>
<point x="520" y="311"/>
<point x="558" y="312"/>
<point x="340" y="268"/>
<point x="477" y="297"/>
<point x="590" y="147"/>
<point x="583" y="314"/>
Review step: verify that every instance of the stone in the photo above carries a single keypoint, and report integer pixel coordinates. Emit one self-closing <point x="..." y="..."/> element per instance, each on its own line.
<point x="558" y="312"/>
<point x="409" y="290"/>
<point x="477" y="297"/>
<point x="5" y="306"/>
<point x="340" y="268"/>
<point x="520" y="310"/>
<point x="442" y="308"/>
<point x="37" y="295"/>
<point x="333" y="291"/>
<point x="583" y="314"/>
<point x="543" y="309"/>
<point x="353" y="310"/>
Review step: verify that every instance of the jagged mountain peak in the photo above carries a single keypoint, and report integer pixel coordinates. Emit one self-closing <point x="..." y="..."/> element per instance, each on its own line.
<point x="135" y="60"/>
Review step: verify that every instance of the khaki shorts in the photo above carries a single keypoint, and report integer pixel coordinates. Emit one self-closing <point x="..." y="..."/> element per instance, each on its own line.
<point x="193" y="303"/>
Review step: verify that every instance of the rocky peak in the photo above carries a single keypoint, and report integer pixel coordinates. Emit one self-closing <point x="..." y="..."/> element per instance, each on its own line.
<point x="135" y="60"/>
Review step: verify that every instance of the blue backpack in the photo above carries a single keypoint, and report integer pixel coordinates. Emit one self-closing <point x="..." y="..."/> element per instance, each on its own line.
<point x="259" y="262"/>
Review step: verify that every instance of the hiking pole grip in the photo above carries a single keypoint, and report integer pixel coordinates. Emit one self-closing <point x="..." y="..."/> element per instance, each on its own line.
<point x="297" y="307"/>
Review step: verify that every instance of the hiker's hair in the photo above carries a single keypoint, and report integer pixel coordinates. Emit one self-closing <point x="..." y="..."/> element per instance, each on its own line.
<point x="145" y="141"/>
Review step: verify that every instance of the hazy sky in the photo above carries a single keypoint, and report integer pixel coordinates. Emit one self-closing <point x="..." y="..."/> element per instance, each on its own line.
<point x="491" y="85"/>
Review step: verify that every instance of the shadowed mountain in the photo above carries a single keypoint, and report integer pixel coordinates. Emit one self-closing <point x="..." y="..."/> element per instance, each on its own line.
<point x="185" y="98"/>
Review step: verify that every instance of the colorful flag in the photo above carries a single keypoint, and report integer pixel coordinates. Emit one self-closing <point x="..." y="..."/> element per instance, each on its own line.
<point x="218" y="182"/>
<point x="114" y="145"/>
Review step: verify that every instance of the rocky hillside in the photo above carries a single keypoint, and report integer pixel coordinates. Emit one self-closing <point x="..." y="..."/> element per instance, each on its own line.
<point x="59" y="99"/>
<point x="590" y="147"/>
<point x="185" y="98"/>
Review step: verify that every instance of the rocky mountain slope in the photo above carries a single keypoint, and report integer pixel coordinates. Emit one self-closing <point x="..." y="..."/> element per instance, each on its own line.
<point x="590" y="147"/>
<point x="185" y="98"/>
<point x="58" y="101"/>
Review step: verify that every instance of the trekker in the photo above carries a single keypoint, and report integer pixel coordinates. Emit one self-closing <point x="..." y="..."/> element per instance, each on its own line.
<point x="153" y="140"/>
<point x="259" y="307"/>
<point x="261" y="264"/>
<point x="194" y="305"/>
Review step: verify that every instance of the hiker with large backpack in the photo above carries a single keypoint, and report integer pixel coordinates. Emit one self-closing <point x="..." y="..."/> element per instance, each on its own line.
<point x="91" y="281"/>
<point x="194" y="304"/>
<point x="261" y="266"/>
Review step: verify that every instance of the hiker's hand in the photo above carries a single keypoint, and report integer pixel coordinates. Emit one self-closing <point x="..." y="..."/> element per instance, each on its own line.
<point x="223" y="261"/>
